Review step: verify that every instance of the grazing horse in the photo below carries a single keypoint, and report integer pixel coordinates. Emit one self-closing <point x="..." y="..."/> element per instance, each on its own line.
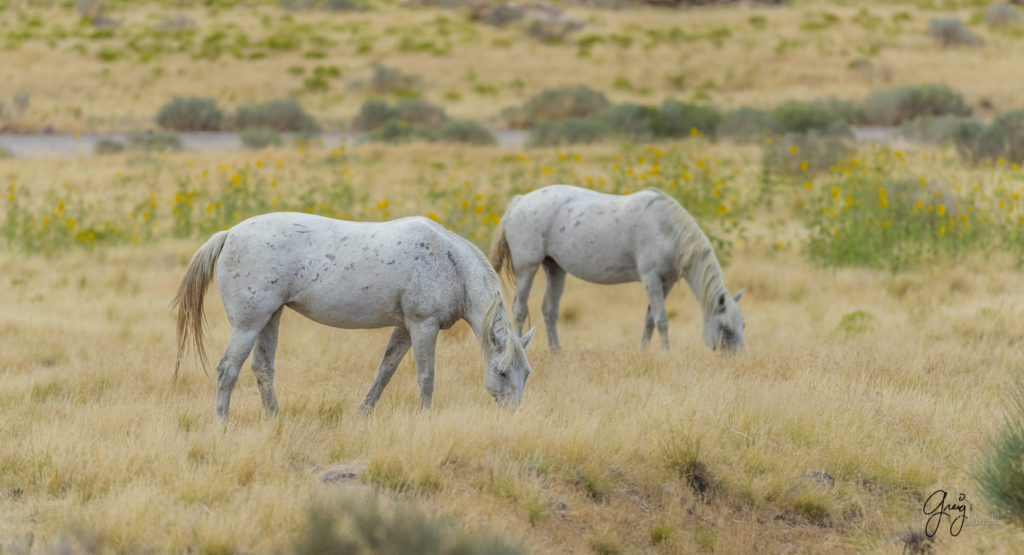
<point x="411" y="273"/>
<point x="646" y="236"/>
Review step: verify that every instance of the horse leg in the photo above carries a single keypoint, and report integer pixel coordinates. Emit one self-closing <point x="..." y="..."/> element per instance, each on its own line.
<point x="424" y="341"/>
<point x="524" y="281"/>
<point x="263" y="362"/>
<point x="552" y="297"/>
<point x="398" y="345"/>
<point x="656" y="307"/>
<point x="649" y="318"/>
<point x="237" y="351"/>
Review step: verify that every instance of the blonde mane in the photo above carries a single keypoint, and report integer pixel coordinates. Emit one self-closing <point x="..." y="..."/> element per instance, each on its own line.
<point x="496" y="320"/>
<point x="693" y="251"/>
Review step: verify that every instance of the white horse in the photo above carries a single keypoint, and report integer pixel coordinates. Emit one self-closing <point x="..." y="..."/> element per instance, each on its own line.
<point x="411" y="273"/>
<point x="646" y="236"/>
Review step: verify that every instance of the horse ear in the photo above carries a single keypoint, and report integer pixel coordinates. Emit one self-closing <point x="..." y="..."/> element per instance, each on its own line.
<point x="739" y="294"/>
<point x="525" y="340"/>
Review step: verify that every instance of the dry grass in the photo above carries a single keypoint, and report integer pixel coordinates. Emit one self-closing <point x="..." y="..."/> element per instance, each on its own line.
<point x="101" y="450"/>
<point x="762" y="56"/>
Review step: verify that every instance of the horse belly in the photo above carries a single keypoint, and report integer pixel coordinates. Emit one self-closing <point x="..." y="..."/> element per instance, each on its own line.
<point x="359" y="309"/>
<point x="590" y="262"/>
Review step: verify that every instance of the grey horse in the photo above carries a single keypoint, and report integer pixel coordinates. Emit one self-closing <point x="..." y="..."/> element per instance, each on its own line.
<point x="645" y="236"/>
<point x="411" y="273"/>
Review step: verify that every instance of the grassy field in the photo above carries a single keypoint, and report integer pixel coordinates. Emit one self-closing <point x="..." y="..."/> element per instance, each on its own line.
<point x="889" y="382"/>
<point x="882" y="295"/>
<point x="83" y="77"/>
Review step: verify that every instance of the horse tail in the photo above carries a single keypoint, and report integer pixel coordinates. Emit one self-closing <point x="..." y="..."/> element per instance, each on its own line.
<point x="189" y="299"/>
<point x="501" y="256"/>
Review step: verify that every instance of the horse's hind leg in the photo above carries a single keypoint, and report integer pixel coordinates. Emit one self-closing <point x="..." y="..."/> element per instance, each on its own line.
<point x="656" y="315"/>
<point x="524" y="281"/>
<point x="398" y="345"/>
<point x="263" y="362"/>
<point x="237" y="351"/>
<point x="552" y="298"/>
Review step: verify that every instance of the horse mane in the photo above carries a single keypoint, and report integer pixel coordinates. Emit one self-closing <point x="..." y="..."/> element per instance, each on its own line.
<point x="496" y="324"/>
<point x="692" y="248"/>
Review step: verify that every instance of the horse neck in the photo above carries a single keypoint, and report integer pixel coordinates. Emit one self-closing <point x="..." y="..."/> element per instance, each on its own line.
<point x="704" y="276"/>
<point x="481" y="292"/>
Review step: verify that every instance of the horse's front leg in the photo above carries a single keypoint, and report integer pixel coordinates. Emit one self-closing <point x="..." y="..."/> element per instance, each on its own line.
<point x="398" y="345"/>
<point x="424" y="341"/>
<point x="656" y="316"/>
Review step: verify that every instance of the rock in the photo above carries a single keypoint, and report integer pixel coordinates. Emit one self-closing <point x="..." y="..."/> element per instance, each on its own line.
<point x="343" y="473"/>
<point x="822" y="477"/>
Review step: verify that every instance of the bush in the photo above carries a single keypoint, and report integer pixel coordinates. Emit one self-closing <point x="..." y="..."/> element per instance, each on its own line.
<point x="748" y="125"/>
<point x="1001" y="476"/>
<point x="259" y="137"/>
<point x="628" y="121"/>
<point x="372" y="115"/>
<point x="566" y="132"/>
<point x="679" y="119"/>
<point x="363" y="528"/>
<point x="466" y="131"/>
<point x="387" y="80"/>
<point x="950" y="31"/>
<point x="562" y="103"/>
<point x="858" y="219"/>
<point x="902" y="104"/>
<point x="108" y="146"/>
<point x="998" y="15"/>
<point x="283" y="114"/>
<point x="154" y="140"/>
<point x="804" y="154"/>
<point x="1004" y="138"/>
<point x="412" y="120"/>
<point x="397" y="131"/>
<point x="419" y="112"/>
<point x="190" y="113"/>
<point x="932" y="129"/>
<point x="804" y="117"/>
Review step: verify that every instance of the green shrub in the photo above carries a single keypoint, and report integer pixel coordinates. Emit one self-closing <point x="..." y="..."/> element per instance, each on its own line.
<point x="364" y="527"/>
<point x="748" y="125"/>
<point x="804" y="154"/>
<point x="154" y="140"/>
<point x="628" y="121"/>
<point x="419" y="112"/>
<point x="562" y="103"/>
<point x="259" y="137"/>
<point x="902" y="104"/>
<point x="465" y="131"/>
<point x="804" y="117"/>
<point x="283" y="114"/>
<point x="566" y="132"/>
<point x="1003" y="139"/>
<point x="372" y="115"/>
<point x="950" y="31"/>
<point x="387" y="80"/>
<point x="190" y="113"/>
<point x="1001" y="475"/>
<point x="932" y="129"/>
<point x="895" y="223"/>
<point x="999" y="15"/>
<point x="680" y="119"/>
<point x="108" y="146"/>
<point x="328" y="5"/>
